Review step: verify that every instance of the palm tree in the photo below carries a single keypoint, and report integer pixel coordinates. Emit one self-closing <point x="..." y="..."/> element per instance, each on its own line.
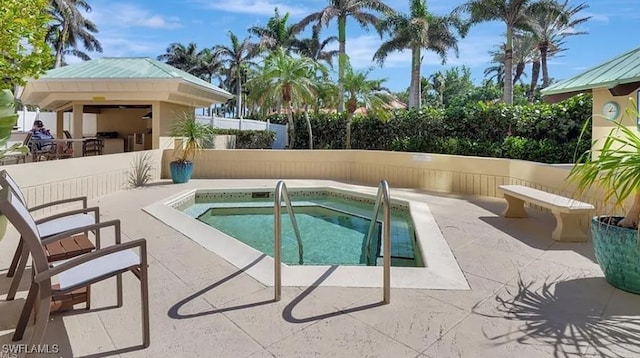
<point x="551" y="26"/>
<point x="369" y="93"/>
<point x="276" y="34"/>
<point x="515" y="14"/>
<point x="416" y="31"/>
<point x="69" y="28"/>
<point x="181" y="57"/>
<point x="285" y="79"/>
<point x="238" y="57"/>
<point x="315" y="49"/>
<point x="341" y="10"/>
<point x="208" y="65"/>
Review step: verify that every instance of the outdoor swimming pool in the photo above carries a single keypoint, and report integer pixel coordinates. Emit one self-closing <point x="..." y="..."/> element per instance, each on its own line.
<point x="333" y="227"/>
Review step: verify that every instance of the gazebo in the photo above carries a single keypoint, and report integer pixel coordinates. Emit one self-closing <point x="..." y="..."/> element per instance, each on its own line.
<point x="611" y="83"/>
<point x="134" y="99"/>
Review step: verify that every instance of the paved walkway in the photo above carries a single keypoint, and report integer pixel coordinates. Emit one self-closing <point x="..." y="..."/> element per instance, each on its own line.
<point x="529" y="297"/>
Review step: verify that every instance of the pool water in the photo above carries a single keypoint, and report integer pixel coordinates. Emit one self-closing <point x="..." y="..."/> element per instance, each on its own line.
<point x="333" y="230"/>
<point x="328" y="237"/>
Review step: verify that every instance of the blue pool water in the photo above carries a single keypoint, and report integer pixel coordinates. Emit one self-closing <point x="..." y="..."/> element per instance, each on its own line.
<point x="333" y="230"/>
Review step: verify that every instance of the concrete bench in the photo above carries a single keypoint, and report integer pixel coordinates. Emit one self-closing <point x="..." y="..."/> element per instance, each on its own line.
<point x="568" y="212"/>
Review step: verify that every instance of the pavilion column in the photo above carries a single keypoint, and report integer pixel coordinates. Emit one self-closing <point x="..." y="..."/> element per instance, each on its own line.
<point x="155" y="125"/>
<point x="76" y="129"/>
<point x="59" y="124"/>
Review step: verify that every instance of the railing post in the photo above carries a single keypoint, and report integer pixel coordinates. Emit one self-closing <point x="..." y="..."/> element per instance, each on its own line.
<point x="386" y="275"/>
<point x="277" y="234"/>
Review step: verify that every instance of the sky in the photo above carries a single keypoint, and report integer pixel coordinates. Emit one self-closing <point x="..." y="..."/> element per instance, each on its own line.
<point x="145" y="28"/>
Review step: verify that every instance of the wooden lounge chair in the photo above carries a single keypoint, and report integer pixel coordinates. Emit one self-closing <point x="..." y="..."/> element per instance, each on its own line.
<point x="47" y="227"/>
<point x="75" y="273"/>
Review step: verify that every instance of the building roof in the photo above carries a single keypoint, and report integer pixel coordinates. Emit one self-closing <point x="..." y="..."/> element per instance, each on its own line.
<point x="621" y="71"/>
<point x="104" y="77"/>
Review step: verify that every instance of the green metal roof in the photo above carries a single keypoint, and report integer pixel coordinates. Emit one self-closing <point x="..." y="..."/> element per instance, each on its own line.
<point x="619" y="70"/>
<point x="125" y="68"/>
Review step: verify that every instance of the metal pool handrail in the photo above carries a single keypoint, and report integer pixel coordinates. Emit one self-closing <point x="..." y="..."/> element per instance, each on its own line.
<point x="382" y="198"/>
<point x="281" y="192"/>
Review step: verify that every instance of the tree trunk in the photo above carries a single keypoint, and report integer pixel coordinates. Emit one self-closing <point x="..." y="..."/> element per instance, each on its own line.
<point x="633" y="215"/>
<point x="291" y="125"/>
<point x="544" y="51"/>
<point x="60" y="47"/>
<point x="415" y="94"/>
<point x="508" y="68"/>
<point x="347" y="139"/>
<point x="306" y="117"/>
<point x="239" y="94"/>
<point x="520" y="67"/>
<point x="535" y="74"/>
<point x="342" y="60"/>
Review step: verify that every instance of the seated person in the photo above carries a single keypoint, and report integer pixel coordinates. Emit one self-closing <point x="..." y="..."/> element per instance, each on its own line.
<point x="39" y="136"/>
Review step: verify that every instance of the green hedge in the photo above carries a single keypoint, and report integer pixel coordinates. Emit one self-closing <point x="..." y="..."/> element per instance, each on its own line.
<point x="546" y="133"/>
<point x="250" y="139"/>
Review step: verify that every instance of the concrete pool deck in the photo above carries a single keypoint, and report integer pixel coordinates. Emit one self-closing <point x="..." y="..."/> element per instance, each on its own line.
<point x="529" y="297"/>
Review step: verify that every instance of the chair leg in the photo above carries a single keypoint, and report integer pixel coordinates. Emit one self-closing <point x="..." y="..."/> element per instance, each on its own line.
<point x="144" y="291"/>
<point x="16" y="257"/>
<point x="26" y="312"/>
<point x="119" y="290"/>
<point x="42" y="313"/>
<point x="88" y="303"/>
<point x="15" y="283"/>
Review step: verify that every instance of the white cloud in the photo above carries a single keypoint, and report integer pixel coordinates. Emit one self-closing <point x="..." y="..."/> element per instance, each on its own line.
<point x="255" y="7"/>
<point x="473" y="52"/>
<point x="126" y="15"/>
<point x="595" y="16"/>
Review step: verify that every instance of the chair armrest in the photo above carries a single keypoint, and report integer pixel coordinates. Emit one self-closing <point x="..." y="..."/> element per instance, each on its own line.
<point x="79" y="260"/>
<point x="96" y="226"/>
<point x="95" y="210"/>
<point x="59" y="202"/>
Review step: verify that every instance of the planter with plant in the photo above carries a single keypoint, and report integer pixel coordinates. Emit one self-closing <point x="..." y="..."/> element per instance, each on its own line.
<point x="614" y="170"/>
<point x="192" y="135"/>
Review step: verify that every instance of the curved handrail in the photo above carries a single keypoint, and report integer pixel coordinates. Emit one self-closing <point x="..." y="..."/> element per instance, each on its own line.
<point x="383" y="198"/>
<point x="280" y="193"/>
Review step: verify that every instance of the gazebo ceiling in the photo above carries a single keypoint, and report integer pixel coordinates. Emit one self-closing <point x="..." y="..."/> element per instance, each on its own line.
<point x="115" y="80"/>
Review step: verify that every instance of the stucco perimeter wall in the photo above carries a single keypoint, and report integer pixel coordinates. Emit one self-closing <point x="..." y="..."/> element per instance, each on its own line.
<point x="93" y="177"/>
<point x="433" y="172"/>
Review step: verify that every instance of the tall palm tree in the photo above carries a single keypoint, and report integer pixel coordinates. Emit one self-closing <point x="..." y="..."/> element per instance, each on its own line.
<point x="367" y="92"/>
<point x="341" y="10"/>
<point x="285" y="79"/>
<point x="276" y="34"/>
<point x="515" y="14"/>
<point x="69" y="28"/>
<point x="315" y="49"/>
<point x="181" y="57"/>
<point x="208" y="65"/>
<point x="551" y="26"/>
<point x="416" y="31"/>
<point x="237" y="57"/>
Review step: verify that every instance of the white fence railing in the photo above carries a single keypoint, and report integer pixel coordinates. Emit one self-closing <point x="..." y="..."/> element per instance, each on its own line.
<point x="249" y="124"/>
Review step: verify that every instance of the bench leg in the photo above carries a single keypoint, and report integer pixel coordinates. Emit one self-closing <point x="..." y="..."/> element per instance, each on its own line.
<point x="568" y="227"/>
<point x="515" y="208"/>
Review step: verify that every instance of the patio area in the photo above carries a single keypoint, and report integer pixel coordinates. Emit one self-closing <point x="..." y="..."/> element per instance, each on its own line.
<point x="530" y="296"/>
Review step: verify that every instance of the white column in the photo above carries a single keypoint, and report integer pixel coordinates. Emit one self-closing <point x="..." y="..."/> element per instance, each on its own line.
<point x="76" y="128"/>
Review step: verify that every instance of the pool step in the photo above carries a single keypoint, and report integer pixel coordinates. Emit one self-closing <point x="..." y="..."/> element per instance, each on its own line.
<point x="397" y="261"/>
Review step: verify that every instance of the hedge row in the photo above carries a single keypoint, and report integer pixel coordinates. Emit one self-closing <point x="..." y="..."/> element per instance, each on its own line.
<point x="250" y="139"/>
<point x="546" y="133"/>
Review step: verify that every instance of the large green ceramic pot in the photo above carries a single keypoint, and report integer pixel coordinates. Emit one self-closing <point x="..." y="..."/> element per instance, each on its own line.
<point x="617" y="252"/>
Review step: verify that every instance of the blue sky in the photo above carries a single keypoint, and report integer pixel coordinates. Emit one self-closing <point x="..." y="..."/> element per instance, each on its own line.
<point x="147" y="27"/>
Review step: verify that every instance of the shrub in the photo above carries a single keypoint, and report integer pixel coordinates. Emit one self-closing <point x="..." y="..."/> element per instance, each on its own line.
<point x="250" y="139"/>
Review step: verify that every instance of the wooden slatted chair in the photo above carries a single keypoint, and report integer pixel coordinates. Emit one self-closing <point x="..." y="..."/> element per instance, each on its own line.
<point x="75" y="273"/>
<point x="48" y="226"/>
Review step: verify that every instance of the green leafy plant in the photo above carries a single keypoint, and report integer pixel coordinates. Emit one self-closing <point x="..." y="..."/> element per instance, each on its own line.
<point x="141" y="171"/>
<point x="614" y="167"/>
<point x="8" y="117"/>
<point x="192" y="134"/>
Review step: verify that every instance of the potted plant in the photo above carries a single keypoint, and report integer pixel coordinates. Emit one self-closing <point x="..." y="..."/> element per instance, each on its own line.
<point x="192" y="134"/>
<point x="614" y="169"/>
